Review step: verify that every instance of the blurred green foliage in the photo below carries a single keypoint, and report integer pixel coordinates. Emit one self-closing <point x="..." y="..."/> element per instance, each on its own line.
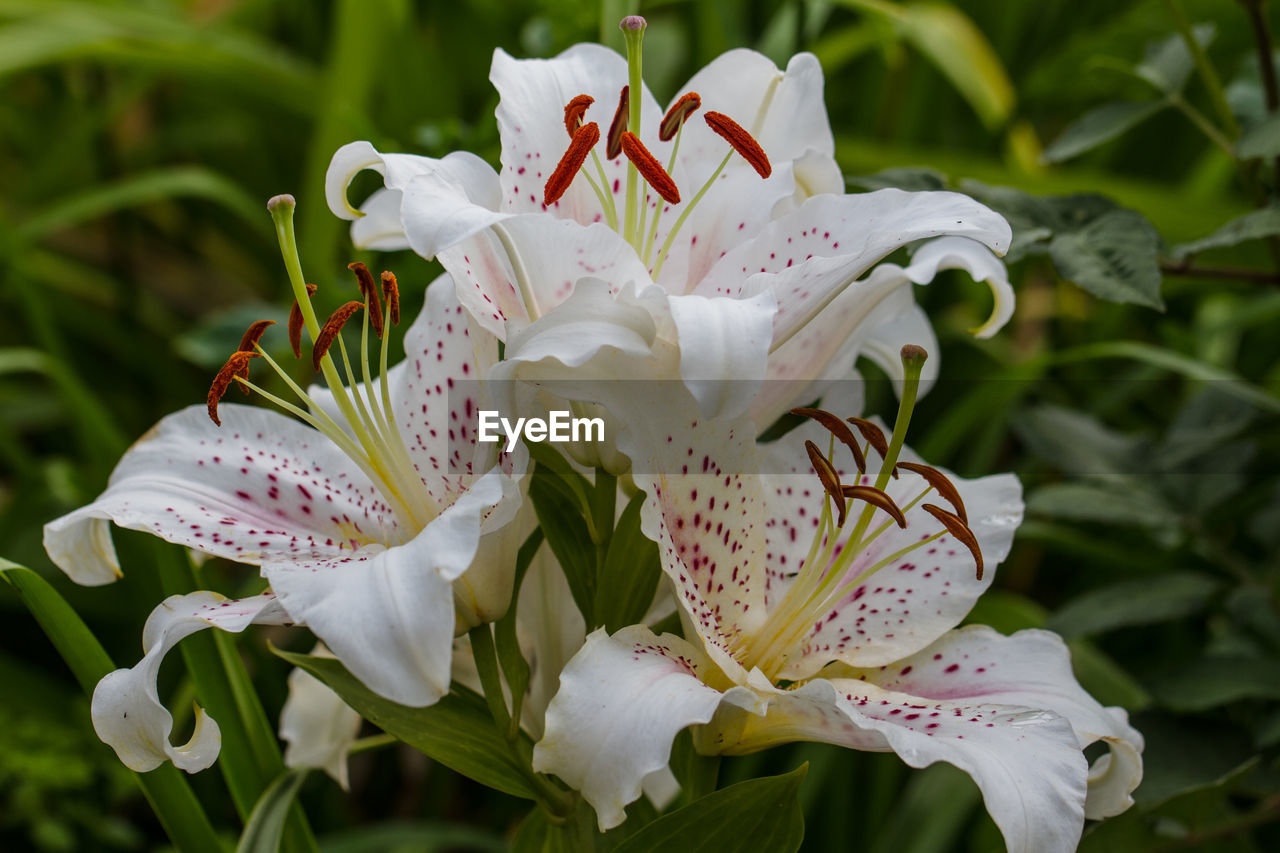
<point x="140" y="138"/>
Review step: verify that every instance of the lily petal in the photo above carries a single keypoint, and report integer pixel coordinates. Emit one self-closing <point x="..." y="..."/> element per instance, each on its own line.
<point x="622" y="701"/>
<point x="1031" y="669"/>
<point x="810" y="256"/>
<point x="126" y="708"/>
<point x="724" y="347"/>
<point x="465" y="175"/>
<point x="783" y="110"/>
<point x="317" y="726"/>
<point x="261" y="487"/>
<point x="553" y="253"/>
<point x="388" y="613"/>
<point x="1026" y="762"/>
<point x="530" y="117"/>
<point x="380" y="228"/>
<point x="912" y="601"/>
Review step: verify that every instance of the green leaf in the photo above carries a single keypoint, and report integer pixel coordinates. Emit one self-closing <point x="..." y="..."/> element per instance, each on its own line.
<point x="1182" y="756"/>
<point x="1113" y="257"/>
<point x="631" y="572"/>
<point x="263" y="832"/>
<point x="930" y="812"/>
<point x="1122" y="501"/>
<point x="1209" y="682"/>
<point x="563" y="523"/>
<point x="165" y="788"/>
<point x="953" y="43"/>
<point x="156" y="185"/>
<point x="1145" y="601"/>
<point x="1261" y="140"/>
<point x="514" y="667"/>
<point x="1252" y="226"/>
<point x="1168" y="62"/>
<point x="910" y="179"/>
<point x="1100" y="125"/>
<point x="759" y="814"/>
<point x="456" y="731"/>
<point x="1077" y="443"/>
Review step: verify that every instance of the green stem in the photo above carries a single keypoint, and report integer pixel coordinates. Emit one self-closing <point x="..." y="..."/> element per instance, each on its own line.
<point x="1205" y="68"/>
<point x="1202" y="124"/>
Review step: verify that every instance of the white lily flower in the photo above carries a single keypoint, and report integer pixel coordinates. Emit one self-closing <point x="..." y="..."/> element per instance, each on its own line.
<point x="378" y="523"/>
<point x="756" y="271"/>
<point x="317" y="725"/>
<point x="824" y="610"/>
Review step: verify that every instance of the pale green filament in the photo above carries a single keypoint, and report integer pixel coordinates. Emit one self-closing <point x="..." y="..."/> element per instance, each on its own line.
<point x="635" y="54"/>
<point x="607" y="200"/>
<point x="522" y="275"/>
<point x="653" y="229"/>
<point x="374" y="443"/>
<point x="821" y="582"/>
<point x="684" y="214"/>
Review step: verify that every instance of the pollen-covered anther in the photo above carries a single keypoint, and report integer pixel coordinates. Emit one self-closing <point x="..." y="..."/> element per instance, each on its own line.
<point x="237" y="365"/>
<point x="878" y="499"/>
<point x="941" y="485"/>
<point x="830" y="479"/>
<point x="295" y="324"/>
<point x="619" y="124"/>
<point x="574" y="111"/>
<point x="874" y="436"/>
<point x="253" y="334"/>
<point x="839" y="429"/>
<point x="249" y="342"/>
<point x="649" y="168"/>
<point x="391" y="293"/>
<point x="678" y="114"/>
<point x="742" y="142"/>
<point x="567" y="169"/>
<point x="332" y="327"/>
<point x="958" y="529"/>
<point x="369" y="290"/>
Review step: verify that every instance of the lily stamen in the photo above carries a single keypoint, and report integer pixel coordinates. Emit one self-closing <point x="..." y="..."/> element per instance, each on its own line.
<point x="253" y="334"/>
<point x="571" y="163"/>
<point x="618" y="126"/>
<point x="368" y="289"/>
<point x="295" y="324"/>
<point x="330" y="331"/>
<point x="649" y="167"/>
<point x="679" y="113"/>
<point x="238" y="363"/>
<point x="958" y="529"/>
<point x="744" y="143"/>
<point x="574" y="111"/>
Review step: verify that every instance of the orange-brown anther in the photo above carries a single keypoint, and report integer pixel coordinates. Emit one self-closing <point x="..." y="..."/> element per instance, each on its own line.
<point x="839" y="429"/>
<point x="369" y="290"/>
<point x="958" y="529"/>
<point x="573" y="112"/>
<point x="742" y="142"/>
<point x="253" y="334"/>
<point x="391" y="292"/>
<point x="650" y="168"/>
<point x="678" y="115"/>
<point x="874" y="436"/>
<point x="830" y="479"/>
<point x="567" y="169"/>
<point x="237" y="365"/>
<point x="619" y="124"/>
<point x="331" y="329"/>
<point x="295" y="324"/>
<point x="876" y="498"/>
<point x="941" y="484"/>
